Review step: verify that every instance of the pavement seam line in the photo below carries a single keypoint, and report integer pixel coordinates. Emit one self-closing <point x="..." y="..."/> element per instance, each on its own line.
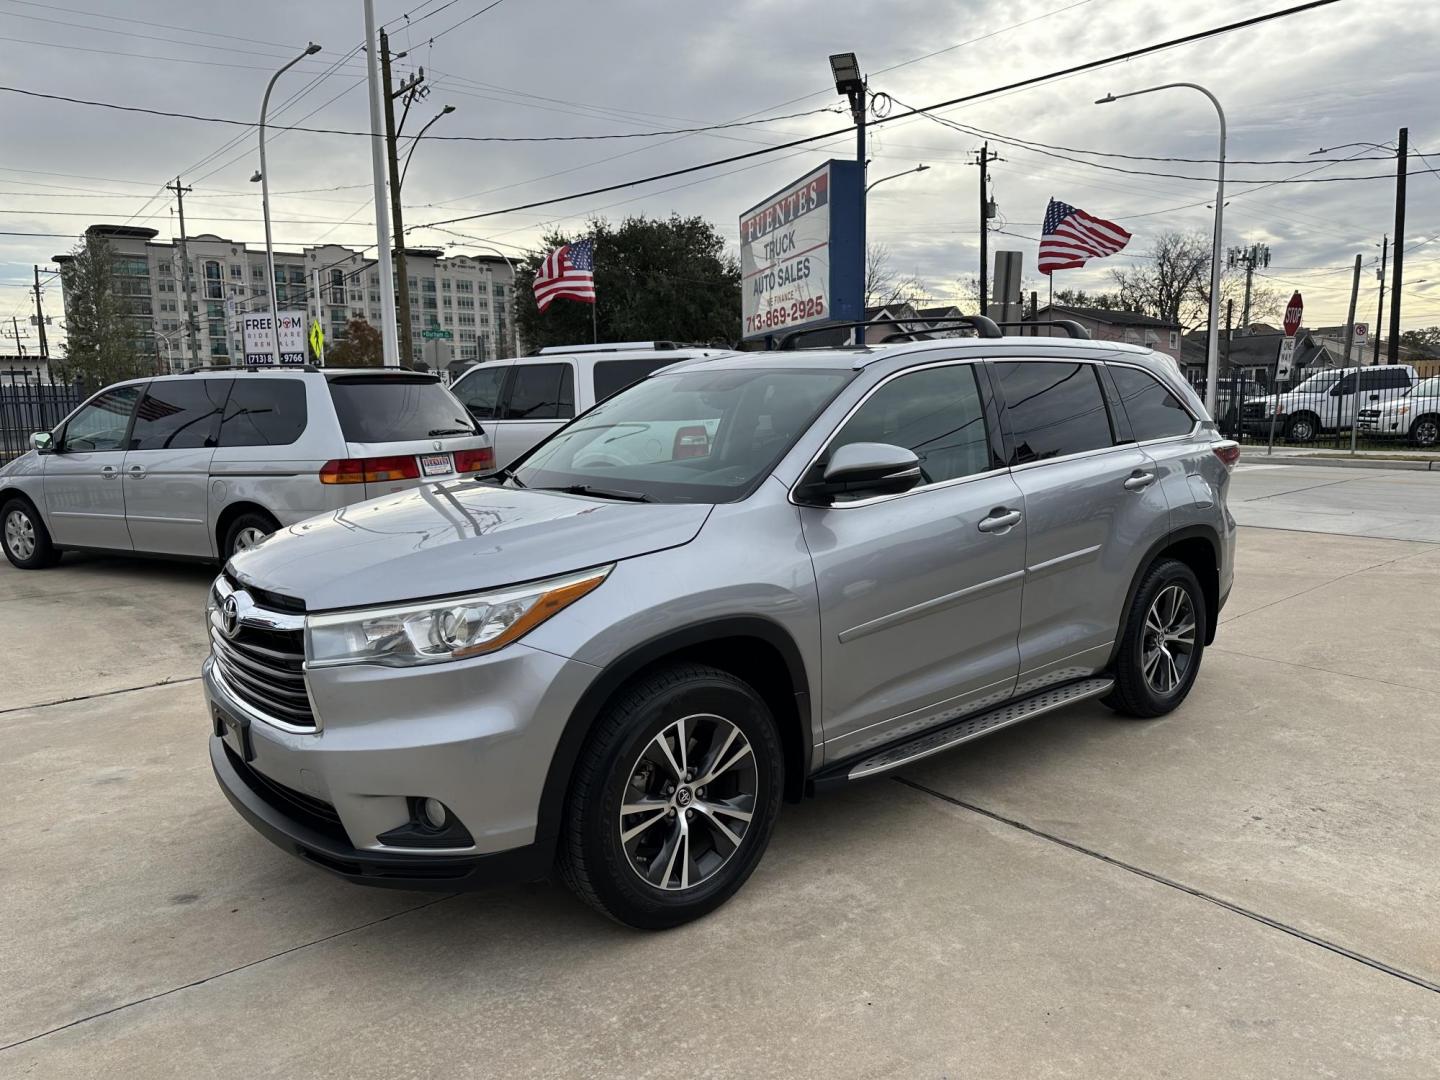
<point x="1331" y="581"/>
<point x="228" y="971"/>
<point x="1301" y="491"/>
<point x="100" y="694"/>
<point x="1354" y="536"/>
<point x="1322" y="670"/>
<point x="1190" y="890"/>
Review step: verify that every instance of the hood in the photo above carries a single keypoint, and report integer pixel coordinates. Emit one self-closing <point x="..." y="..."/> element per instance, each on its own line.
<point x="456" y="537"/>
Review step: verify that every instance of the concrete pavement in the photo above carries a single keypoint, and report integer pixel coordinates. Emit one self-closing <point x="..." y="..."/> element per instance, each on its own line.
<point x="1388" y="503"/>
<point x="1244" y="888"/>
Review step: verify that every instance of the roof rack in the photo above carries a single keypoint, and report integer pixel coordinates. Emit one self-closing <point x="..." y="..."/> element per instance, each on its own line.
<point x="609" y="346"/>
<point x="249" y="367"/>
<point x="1070" y="326"/>
<point x="983" y="326"/>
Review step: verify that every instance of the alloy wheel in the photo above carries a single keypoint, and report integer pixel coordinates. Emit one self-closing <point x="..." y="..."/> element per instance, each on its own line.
<point x="1427" y="431"/>
<point x="688" y="802"/>
<point x="1168" y="645"/>
<point x="20" y="534"/>
<point x="248" y="537"/>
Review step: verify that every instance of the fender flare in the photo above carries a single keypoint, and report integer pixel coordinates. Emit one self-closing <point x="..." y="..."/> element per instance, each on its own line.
<point x="1189" y="532"/>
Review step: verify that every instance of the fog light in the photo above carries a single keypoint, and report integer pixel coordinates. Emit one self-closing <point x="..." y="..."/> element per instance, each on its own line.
<point x="435" y="814"/>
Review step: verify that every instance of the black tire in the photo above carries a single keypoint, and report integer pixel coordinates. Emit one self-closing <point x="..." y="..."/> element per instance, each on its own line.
<point x="594" y="861"/>
<point x="24" y="537"/>
<point x="1425" y="431"/>
<point x="1301" y="428"/>
<point x="1135" y="693"/>
<point x="244" y="527"/>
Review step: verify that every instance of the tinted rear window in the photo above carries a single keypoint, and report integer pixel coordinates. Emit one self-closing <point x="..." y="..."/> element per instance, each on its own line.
<point x="1054" y="409"/>
<point x="1154" y="412"/>
<point x="612" y="376"/>
<point x="396" y="408"/>
<point x="263" y="412"/>
<point x="541" y="392"/>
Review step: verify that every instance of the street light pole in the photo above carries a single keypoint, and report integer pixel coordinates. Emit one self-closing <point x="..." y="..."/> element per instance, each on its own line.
<point x="1212" y="351"/>
<point x="894" y="176"/>
<point x="310" y="50"/>
<point x="851" y="85"/>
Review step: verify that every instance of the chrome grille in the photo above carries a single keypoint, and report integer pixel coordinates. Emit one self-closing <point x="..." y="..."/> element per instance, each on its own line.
<point x="1255" y="410"/>
<point x="262" y="659"/>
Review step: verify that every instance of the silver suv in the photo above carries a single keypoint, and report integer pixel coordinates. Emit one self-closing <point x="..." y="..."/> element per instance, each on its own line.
<point x="206" y="464"/>
<point x="621" y="665"/>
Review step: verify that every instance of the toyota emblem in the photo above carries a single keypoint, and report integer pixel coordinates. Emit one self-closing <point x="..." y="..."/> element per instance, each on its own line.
<point x="230" y="616"/>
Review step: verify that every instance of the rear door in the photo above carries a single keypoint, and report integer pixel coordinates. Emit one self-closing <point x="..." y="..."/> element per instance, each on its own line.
<point x="407" y="428"/>
<point x="612" y="376"/>
<point x="1092" y="508"/>
<point x="167" y="468"/>
<point x="84" y="493"/>
<point x="537" y="399"/>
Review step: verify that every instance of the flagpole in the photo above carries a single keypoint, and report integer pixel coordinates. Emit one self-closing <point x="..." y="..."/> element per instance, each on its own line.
<point x="594" y="323"/>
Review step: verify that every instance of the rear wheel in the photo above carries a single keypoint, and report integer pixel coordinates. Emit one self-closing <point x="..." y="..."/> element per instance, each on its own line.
<point x="24" y="537"/>
<point x="1301" y="428"/>
<point x="1162" y="643"/>
<point x="246" y="531"/>
<point x="673" y="799"/>
<point x="1425" y="431"/>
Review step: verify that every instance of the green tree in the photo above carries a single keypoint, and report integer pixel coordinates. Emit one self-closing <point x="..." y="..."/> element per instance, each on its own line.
<point x="655" y="279"/>
<point x="1424" y="340"/>
<point x="102" y="337"/>
<point x="1079" y="298"/>
<point x="362" y="346"/>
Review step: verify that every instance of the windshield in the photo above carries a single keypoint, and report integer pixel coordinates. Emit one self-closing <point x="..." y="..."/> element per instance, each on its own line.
<point x="1317" y="383"/>
<point x="397" y="408"/>
<point x="694" y="436"/>
<point x="1426" y="388"/>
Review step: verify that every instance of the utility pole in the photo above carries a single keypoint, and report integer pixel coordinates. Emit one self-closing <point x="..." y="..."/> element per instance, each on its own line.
<point x="19" y="345"/>
<point x="983" y="157"/>
<point x="180" y="193"/>
<point x="1392" y="351"/>
<point x="391" y="356"/>
<point x="40" y="318"/>
<point x="1251" y="257"/>
<point x="1350" y="344"/>
<point x="402" y="280"/>
<point x="1380" y="312"/>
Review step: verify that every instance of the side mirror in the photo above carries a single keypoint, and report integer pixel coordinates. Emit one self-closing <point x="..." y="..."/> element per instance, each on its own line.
<point x="42" y="441"/>
<point x="865" y="469"/>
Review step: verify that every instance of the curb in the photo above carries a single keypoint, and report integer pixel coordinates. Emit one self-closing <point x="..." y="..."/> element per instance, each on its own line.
<point x="1405" y="464"/>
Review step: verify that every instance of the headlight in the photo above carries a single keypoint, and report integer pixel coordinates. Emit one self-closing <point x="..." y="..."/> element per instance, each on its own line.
<point x="1400" y="410"/>
<point x="439" y="630"/>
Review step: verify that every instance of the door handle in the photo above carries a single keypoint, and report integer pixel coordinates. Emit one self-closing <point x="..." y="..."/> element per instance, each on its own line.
<point x="137" y="471"/>
<point x="1138" y="481"/>
<point x="999" y="520"/>
<point x="109" y="472"/>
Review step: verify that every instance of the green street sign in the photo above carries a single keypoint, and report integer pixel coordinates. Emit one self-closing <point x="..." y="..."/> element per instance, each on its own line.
<point x="436" y="334"/>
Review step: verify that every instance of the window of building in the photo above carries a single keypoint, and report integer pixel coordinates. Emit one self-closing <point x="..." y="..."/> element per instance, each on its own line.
<point x="179" y="414"/>
<point x="463" y="286"/>
<point x="465" y="303"/>
<point x="414" y="283"/>
<point x="213" y="291"/>
<point x="297" y="275"/>
<point x="484" y="320"/>
<point x="257" y="273"/>
<point x="428" y="285"/>
<point x="237" y="272"/>
<point x="1174" y="339"/>
<point x="1054" y="409"/>
<point x="446" y="301"/>
<point x="445" y="284"/>
<point x="467" y="352"/>
<point x="1154" y="412"/>
<point x="499" y="290"/>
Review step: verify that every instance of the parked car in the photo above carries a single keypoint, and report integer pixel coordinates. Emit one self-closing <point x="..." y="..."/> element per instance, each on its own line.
<point x="622" y="667"/>
<point x="522" y="400"/>
<point x="1416" y="416"/>
<point x="206" y="464"/>
<point x="1327" y="401"/>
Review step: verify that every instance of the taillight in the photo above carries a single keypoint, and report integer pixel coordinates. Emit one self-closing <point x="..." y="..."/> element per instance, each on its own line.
<point x="482" y="460"/>
<point x="1228" y="452"/>
<point x="370" y="470"/>
<point x="691" y="442"/>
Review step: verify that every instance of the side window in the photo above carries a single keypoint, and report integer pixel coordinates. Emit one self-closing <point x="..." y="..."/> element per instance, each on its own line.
<point x="1344" y="386"/>
<point x="480" y="388"/>
<point x="1053" y="409"/>
<point x="541" y="392"/>
<point x="1384" y="379"/>
<point x="101" y="425"/>
<point x="264" y="412"/>
<point x="936" y="413"/>
<point x="612" y="376"/>
<point x="179" y="414"/>
<point x="1154" y="412"/>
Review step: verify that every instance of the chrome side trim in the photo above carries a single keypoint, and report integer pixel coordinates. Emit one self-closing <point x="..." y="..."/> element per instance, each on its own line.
<point x="926" y="607"/>
<point x="1061" y="560"/>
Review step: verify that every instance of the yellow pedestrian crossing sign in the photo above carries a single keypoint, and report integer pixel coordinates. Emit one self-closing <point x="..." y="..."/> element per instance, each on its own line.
<point x="317" y="340"/>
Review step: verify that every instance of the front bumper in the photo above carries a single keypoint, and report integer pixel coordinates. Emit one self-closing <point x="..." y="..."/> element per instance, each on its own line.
<point x="478" y="735"/>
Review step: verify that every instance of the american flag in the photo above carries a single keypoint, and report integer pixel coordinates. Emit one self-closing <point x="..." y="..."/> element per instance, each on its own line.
<point x="568" y="271"/>
<point x="1071" y="237"/>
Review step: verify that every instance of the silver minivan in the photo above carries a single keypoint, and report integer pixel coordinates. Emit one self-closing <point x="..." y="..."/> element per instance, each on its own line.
<point x="208" y="463"/>
<point x="616" y="665"/>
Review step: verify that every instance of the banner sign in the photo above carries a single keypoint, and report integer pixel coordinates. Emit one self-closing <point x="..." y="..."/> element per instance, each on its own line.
<point x="259" y="339"/>
<point x="800" y="254"/>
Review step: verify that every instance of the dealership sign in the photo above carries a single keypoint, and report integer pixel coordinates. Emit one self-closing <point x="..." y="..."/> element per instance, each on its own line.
<point x="800" y="254"/>
<point x="259" y="338"/>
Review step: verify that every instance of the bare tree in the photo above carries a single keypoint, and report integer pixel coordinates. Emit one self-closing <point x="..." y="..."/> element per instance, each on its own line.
<point x="884" y="286"/>
<point x="1172" y="282"/>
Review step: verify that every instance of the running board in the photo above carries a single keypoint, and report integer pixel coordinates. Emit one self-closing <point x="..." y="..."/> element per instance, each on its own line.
<point x="973" y="727"/>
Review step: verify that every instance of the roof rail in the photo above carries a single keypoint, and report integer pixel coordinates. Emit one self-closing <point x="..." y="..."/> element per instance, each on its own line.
<point x="248" y="367"/>
<point x="608" y="346"/>
<point x="1070" y="326"/>
<point x="983" y="326"/>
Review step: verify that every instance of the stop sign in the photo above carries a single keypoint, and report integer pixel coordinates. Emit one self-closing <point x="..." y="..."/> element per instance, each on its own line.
<point x="1293" y="311"/>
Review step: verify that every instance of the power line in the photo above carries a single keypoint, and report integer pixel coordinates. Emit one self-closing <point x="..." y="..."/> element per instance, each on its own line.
<point x="462" y="22"/>
<point x="142" y="22"/>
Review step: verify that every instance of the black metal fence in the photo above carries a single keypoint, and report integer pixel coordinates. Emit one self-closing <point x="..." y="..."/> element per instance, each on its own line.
<point x="31" y="402"/>
<point x="1374" y="408"/>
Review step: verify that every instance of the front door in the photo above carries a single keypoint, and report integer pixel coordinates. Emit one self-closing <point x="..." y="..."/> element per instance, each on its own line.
<point x="919" y="592"/>
<point x="167" y="469"/>
<point x="84" y="493"/>
<point x="1092" y="509"/>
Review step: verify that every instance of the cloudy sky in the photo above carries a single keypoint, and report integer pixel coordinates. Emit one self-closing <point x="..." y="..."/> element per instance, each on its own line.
<point x="1355" y="71"/>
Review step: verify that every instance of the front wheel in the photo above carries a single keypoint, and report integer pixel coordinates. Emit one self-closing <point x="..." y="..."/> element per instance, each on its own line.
<point x="1162" y="642"/>
<point x="673" y="798"/>
<point x="1425" y="431"/>
<point x="24" y="536"/>
<point x="1301" y="429"/>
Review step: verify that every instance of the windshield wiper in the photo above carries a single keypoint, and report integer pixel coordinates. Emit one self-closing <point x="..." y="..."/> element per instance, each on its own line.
<point x="452" y="431"/>
<point x="601" y="493"/>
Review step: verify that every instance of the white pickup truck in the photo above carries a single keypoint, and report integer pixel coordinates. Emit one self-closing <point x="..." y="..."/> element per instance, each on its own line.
<point x="1415" y="415"/>
<point x="1329" y="401"/>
